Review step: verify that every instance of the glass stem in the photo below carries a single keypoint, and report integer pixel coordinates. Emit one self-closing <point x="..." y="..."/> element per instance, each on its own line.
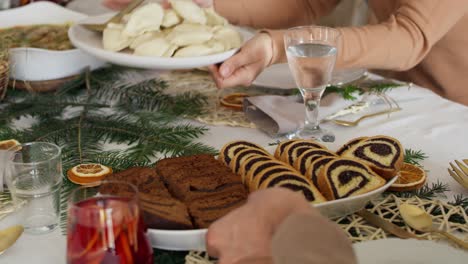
<point x="312" y="104"/>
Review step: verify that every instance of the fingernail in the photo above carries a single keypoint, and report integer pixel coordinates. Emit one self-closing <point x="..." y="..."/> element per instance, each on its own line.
<point x="225" y="71"/>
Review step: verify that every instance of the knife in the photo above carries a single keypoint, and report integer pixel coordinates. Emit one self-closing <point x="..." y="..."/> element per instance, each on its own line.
<point x="386" y="225"/>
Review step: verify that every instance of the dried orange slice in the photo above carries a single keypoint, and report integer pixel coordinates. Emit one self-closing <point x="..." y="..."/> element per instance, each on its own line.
<point x="88" y="173"/>
<point x="8" y="144"/>
<point x="234" y="101"/>
<point x="411" y="178"/>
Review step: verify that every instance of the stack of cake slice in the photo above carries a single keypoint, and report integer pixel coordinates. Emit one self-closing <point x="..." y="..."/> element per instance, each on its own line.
<point x="159" y="208"/>
<point x="205" y="185"/>
<point x="185" y="192"/>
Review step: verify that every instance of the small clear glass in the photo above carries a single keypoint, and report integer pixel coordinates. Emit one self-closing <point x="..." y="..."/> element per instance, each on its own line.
<point x="34" y="179"/>
<point x="311" y="52"/>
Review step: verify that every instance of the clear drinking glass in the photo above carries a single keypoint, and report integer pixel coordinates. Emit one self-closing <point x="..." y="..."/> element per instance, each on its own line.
<point x="34" y="179"/>
<point x="311" y="52"/>
<point x="105" y="226"/>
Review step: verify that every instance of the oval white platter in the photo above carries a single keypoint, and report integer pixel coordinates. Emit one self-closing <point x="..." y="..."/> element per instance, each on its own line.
<point x="91" y="42"/>
<point x="33" y="64"/>
<point x="278" y="76"/>
<point x="195" y="239"/>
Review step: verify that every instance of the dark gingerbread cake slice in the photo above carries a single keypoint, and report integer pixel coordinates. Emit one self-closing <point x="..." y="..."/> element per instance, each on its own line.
<point x="145" y="179"/>
<point x="165" y="213"/>
<point x="159" y="209"/>
<point x="185" y="179"/>
<point x="205" y="210"/>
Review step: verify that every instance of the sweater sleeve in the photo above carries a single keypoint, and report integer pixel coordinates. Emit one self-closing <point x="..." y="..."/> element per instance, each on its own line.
<point x="273" y="14"/>
<point x="398" y="43"/>
<point x="304" y="238"/>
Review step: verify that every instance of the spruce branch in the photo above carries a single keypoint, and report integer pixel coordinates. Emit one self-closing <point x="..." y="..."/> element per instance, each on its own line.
<point x="427" y="191"/>
<point x="414" y="157"/>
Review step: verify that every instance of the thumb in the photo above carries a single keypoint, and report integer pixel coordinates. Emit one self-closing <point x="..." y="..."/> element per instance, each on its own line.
<point x="237" y="61"/>
<point x="165" y="4"/>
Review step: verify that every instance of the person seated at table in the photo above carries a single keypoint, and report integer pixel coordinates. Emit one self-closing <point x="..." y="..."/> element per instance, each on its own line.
<point x="411" y="40"/>
<point x="278" y="226"/>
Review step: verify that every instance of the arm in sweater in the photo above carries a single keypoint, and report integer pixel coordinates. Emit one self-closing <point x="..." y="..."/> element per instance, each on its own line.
<point x="273" y="14"/>
<point x="399" y="43"/>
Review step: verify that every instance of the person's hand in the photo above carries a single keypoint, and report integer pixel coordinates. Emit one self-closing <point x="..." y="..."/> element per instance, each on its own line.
<point x="246" y="233"/>
<point x="116" y="4"/>
<point x="246" y="65"/>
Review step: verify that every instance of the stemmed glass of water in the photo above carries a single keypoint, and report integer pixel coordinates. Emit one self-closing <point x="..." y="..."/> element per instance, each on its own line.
<point x="311" y="52"/>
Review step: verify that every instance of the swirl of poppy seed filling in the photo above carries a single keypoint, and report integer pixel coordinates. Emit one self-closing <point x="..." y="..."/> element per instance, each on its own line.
<point x="240" y="144"/>
<point x="316" y="166"/>
<point x="267" y="174"/>
<point x="346" y="176"/>
<point x="243" y="154"/>
<point x="252" y="162"/>
<point x="264" y="166"/>
<point x="316" y="152"/>
<point x="301" y="144"/>
<point x="380" y="149"/>
<point x="309" y="195"/>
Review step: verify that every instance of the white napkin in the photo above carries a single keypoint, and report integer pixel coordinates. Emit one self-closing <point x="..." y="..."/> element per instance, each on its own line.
<point x="275" y="115"/>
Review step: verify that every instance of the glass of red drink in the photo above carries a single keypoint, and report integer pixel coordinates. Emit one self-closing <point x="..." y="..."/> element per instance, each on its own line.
<point x="105" y="226"/>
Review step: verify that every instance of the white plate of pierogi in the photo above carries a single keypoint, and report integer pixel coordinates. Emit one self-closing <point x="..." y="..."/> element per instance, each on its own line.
<point x="185" y="36"/>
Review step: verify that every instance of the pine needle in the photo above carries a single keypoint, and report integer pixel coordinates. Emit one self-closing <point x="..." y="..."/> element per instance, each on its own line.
<point x="414" y="157"/>
<point x="102" y="107"/>
<point x="427" y="191"/>
<point x="352" y="91"/>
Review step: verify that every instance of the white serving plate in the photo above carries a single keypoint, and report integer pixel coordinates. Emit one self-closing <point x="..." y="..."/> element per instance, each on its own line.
<point x="91" y="42"/>
<point x="32" y="64"/>
<point x="408" y="251"/>
<point x="279" y="76"/>
<point x="195" y="239"/>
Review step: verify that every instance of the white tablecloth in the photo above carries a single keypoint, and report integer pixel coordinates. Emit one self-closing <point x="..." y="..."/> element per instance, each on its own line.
<point x="427" y="122"/>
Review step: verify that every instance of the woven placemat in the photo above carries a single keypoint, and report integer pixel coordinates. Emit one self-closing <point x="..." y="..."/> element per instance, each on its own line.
<point x="447" y="217"/>
<point x="214" y="113"/>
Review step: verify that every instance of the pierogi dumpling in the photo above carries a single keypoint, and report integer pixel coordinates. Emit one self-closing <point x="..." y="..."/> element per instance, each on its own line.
<point x="113" y="38"/>
<point x="145" y="37"/>
<point x="156" y="48"/>
<point x="170" y="19"/>
<point x="213" y="19"/>
<point x="189" y="11"/>
<point x="144" y="19"/>
<point x="184" y="27"/>
<point x="227" y="35"/>
<point x="185" y="38"/>
<point x="169" y="52"/>
<point x="195" y="50"/>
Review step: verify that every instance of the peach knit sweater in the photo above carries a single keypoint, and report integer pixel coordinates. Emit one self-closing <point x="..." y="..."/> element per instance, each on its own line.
<point x="422" y="41"/>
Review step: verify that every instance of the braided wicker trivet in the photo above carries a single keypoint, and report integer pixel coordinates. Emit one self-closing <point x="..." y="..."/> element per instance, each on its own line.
<point x="358" y="230"/>
<point x="214" y="113"/>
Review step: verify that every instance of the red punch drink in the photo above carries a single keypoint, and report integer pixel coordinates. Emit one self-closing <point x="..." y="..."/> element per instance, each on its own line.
<point x="105" y="226"/>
